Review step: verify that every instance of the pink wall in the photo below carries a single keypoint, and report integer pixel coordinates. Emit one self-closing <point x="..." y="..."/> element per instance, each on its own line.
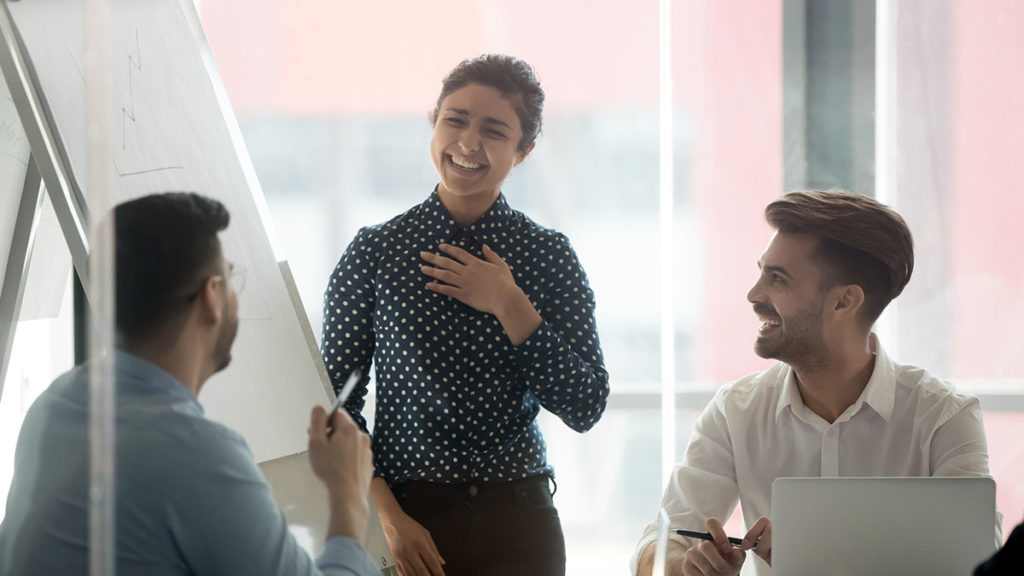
<point x="327" y="59"/>
<point x="987" y="124"/>
<point x="728" y="76"/>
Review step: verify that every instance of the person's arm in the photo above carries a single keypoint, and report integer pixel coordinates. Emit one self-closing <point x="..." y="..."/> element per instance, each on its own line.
<point x="411" y="544"/>
<point x="675" y="556"/>
<point x="342" y="459"/>
<point x="959" y="447"/>
<point x="718" y="557"/>
<point x="348" y="340"/>
<point x="701" y="488"/>
<point x="557" y="348"/>
<point x="561" y="360"/>
<point x="224" y="519"/>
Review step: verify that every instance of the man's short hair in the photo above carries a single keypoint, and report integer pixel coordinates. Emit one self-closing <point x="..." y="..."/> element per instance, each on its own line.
<point x="861" y="241"/>
<point x="166" y="245"/>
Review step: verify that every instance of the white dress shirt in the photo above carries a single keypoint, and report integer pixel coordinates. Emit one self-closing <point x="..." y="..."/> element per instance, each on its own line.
<point x="906" y="422"/>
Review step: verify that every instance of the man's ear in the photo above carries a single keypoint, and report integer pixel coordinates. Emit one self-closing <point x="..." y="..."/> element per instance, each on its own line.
<point x="848" y="300"/>
<point x="211" y="299"/>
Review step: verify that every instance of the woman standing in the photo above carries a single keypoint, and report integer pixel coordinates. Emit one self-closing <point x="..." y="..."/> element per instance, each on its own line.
<point x="475" y="317"/>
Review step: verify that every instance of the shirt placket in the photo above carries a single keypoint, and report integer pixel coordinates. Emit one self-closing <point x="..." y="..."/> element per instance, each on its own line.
<point x="830" y="451"/>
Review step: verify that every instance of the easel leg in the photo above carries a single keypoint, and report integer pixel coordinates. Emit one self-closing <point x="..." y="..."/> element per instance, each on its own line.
<point x="17" y="265"/>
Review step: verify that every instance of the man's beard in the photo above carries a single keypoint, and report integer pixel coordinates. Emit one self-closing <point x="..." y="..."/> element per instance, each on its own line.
<point x="799" y="340"/>
<point x="222" y="348"/>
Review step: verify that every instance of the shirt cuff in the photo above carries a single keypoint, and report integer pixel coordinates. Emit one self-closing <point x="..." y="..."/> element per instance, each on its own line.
<point x="538" y="345"/>
<point x="345" y="556"/>
<point x="649" y="540"/>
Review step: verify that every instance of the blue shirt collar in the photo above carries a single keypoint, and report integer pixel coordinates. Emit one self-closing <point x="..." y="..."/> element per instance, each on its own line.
<point x="136" y="374"/>
<point x="438" y="222"/>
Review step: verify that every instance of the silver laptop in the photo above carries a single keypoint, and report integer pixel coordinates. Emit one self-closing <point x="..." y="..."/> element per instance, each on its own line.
<point x="876" y="526"/>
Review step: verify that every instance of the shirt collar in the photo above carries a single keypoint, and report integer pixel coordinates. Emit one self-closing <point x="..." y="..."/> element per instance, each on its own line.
<point x="879" y="394"/>
<point x="438" y="222"/>
<point x="144" y="375"/>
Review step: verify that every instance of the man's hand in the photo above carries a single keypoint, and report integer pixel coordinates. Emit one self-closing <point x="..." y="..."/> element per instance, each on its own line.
<point x="342" y="460"/>
<point x="761" y="534"/>
<point x="718" y="558"/>
<point x="411" y="544"/>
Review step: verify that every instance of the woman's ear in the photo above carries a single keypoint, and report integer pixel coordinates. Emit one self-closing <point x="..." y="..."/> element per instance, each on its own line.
<point x="522" y="155"/>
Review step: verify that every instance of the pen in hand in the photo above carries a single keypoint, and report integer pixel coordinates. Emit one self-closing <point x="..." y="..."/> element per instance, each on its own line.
<point x="350" y="384"/>
<point x="707" y="536"/>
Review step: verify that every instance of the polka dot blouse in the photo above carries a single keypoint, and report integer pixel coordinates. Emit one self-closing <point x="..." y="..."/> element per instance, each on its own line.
<point x="456" y="401"/>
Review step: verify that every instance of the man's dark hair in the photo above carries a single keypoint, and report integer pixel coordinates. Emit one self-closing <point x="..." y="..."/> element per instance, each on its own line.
<point x="166" y="246"/>
<point x="509" y="75"/>
<point x="861" y="241"/>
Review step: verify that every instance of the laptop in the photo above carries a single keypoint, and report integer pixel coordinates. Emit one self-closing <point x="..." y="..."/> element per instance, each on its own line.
<point x="862" y="526"/>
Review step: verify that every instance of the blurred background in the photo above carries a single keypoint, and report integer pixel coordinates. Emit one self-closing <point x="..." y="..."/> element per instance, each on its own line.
<point x="916" y="102"/>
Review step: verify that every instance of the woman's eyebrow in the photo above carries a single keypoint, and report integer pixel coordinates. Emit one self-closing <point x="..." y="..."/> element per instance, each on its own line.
<point x="487" y="120"/>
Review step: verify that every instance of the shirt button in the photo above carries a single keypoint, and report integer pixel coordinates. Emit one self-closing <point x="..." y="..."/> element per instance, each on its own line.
<point x="473" y="490"/>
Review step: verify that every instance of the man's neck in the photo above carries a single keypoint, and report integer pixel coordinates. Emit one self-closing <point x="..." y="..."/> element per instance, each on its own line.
<point x="176" y="361"/>
<point x="834" y="386"/>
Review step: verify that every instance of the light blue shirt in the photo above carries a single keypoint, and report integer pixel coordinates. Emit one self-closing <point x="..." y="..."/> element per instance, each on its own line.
<point x="190" y="498"/>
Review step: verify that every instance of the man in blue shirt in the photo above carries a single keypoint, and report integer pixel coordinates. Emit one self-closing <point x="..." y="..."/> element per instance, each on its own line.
<point x="189" y="496"/>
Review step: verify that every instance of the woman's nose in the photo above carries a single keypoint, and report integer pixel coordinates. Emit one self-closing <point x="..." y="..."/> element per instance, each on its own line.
<point x="469" y="142"/>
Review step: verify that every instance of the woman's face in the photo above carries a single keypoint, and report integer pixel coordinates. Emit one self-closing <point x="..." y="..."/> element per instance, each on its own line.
<point x="475" y="143"/>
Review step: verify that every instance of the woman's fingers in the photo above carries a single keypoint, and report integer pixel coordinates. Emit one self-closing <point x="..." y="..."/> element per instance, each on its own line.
<point x="439" y="261"/>
<point x="457" y="253"/>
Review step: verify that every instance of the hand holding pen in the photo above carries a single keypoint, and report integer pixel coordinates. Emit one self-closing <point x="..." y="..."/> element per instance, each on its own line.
<point x="720" y="554"/>
<point x="343" y="395"/>
<point x="707" y="536"/>
<point x="340" y="456"/>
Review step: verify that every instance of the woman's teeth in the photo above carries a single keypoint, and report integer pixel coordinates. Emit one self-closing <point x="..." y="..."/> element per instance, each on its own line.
<point x="462" y="163"/>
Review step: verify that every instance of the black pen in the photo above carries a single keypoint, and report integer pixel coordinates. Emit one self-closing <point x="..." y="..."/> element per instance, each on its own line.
<point x="350" y="384"/>
<point x="708" y="536"/>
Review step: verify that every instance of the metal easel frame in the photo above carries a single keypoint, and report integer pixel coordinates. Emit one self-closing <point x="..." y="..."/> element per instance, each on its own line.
<point x="49" y="169"/>
<point x="17" y="264"/>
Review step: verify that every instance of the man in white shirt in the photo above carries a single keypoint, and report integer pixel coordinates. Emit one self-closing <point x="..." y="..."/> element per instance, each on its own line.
<point x="835" y="404"/>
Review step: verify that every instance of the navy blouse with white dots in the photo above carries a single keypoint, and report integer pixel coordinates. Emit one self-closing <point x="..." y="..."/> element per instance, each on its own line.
<point x="456" y="401"/>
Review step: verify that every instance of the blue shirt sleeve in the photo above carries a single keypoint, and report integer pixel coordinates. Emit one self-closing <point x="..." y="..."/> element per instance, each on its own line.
<point x="562" y="359"/>
<point x="348" y="339"/>
<point x="224" y="520"/>
<point x="344" y="557"/>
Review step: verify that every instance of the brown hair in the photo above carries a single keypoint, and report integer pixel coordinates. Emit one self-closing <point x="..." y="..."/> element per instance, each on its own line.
<point x="862" y="241"/>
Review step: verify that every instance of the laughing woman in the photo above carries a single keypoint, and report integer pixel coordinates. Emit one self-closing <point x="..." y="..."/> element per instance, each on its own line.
<point x="475" y="317"/>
